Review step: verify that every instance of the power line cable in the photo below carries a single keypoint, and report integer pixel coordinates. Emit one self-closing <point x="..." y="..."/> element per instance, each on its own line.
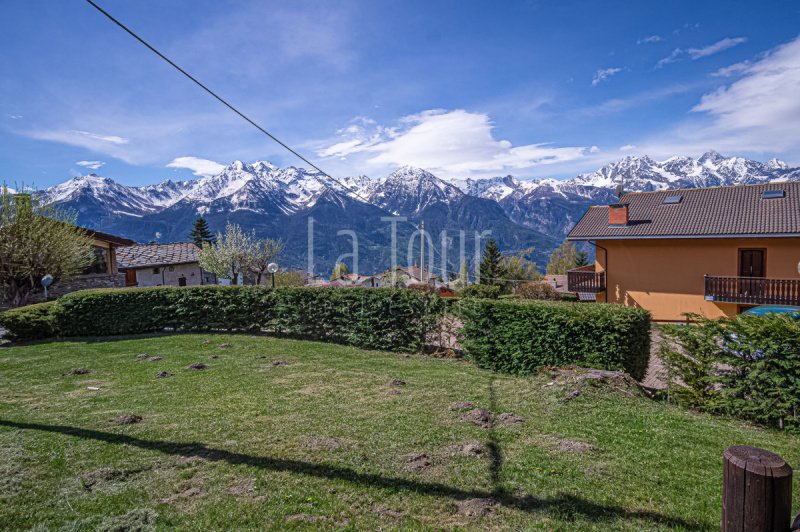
<point x="226" y="104"/>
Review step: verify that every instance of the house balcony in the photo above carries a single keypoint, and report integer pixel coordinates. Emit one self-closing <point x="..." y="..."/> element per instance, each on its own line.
<point x="752" y="290"/>
<point x="585" y="280"/>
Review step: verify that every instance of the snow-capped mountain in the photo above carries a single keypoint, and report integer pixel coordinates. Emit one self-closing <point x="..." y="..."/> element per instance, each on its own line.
<point x="278" y="202"/>
<point x="554" y="206"/>
<point x="408" y="191"/>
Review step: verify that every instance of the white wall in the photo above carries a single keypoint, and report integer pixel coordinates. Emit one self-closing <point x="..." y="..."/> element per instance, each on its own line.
<point x="169" y="275"/>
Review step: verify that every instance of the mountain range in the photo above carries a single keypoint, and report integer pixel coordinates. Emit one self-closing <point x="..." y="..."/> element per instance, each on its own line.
<point x="278" y="203"/>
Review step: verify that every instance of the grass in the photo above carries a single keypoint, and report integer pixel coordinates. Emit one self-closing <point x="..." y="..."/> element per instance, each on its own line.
<point x="320" y="443"/>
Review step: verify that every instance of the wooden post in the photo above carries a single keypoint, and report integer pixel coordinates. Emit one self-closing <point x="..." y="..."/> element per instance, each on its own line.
<point x="756" y="491"/>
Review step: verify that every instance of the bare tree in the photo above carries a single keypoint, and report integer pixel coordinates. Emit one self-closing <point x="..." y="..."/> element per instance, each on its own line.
<point x="264" y="253"/>
<point x="37" y="240"/>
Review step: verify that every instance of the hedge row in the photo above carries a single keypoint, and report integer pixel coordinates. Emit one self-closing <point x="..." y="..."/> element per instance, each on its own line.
<point x="513" y="336"/>
<point x="518" y="336"/>
<point x="391" y="319"/>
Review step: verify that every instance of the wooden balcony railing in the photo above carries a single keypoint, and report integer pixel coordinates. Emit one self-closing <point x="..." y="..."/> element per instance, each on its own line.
<point x="752" y="290"/>
<point x="586" y="280"/>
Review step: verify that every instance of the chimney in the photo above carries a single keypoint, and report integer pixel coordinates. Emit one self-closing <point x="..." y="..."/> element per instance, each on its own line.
<point x="618" y="215"/>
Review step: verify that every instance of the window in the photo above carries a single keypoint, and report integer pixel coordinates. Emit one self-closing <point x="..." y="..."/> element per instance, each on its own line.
<point x="773" y="194"/>
<point x="99" y="261"/>
<point x="672" y="200"/>
<point x="156" y="271"/>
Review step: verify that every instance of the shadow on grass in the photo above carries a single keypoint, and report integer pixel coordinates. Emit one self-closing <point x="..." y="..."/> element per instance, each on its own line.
<point x="493" y="445"/>
<point x="566" y="506"/>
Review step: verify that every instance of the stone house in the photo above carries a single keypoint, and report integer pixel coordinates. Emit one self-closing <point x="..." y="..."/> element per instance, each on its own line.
<point x="173" y="264"/>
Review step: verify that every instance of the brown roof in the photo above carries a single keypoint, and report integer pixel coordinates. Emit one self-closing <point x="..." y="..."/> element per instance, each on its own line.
<point x="107" y="237"/>
<point x="151" y="255"/>
<point x="559" y="282"/>
<point x="736" y="211"/>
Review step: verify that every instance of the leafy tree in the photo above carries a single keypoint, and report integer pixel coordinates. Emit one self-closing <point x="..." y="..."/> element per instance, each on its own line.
<point x="201" y="233"/>
<point x="520" y="269"/>
<point x="231" y="255"/>
<point x="264" y="252"/>
<point x="339" y="270"/>
<point x="491" y="268"/>
<point x="290" y="278"/>
<point x="462" y="281"/>
<point x="581" y="259"/>
<point x="37" y="240"/>
<point x="562" y="259"/>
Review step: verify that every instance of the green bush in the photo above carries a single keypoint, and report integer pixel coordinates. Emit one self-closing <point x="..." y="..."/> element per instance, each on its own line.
<point x="481" y="291"/>
<point x="522" y="336"/>
<point x="33" y="322"/>
<point x="747" y="366"/>
<point x="392" y="319"/>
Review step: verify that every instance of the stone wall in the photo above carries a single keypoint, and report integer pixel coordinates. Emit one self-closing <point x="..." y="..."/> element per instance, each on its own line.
<point x="82" y="282"/>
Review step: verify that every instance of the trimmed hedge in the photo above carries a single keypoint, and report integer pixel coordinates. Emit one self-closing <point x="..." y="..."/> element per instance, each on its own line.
<point x="481" y="291"/>
<point x="519" y="337"/>
<point x="391" y="319"/>
<point x="29" y="323"/>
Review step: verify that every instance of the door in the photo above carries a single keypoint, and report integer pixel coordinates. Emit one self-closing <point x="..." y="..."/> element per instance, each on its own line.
<point x="752" y="266"/>
<point x="181" y="281"/>
<point x="752" y="262"/>
<point x="130" y="278"/>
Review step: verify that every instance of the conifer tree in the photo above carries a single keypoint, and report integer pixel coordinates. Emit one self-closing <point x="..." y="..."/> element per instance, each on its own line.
<point x="491" y="268"/>
<point x="201" y="233"/>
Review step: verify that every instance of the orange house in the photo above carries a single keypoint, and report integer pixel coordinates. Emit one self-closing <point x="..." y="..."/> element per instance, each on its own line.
<point x="711" y="251"/>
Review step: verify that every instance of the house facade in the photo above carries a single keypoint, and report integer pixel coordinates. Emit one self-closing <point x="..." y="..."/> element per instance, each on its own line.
<point x="710" y="251"/>
<point x="174" y="264"/>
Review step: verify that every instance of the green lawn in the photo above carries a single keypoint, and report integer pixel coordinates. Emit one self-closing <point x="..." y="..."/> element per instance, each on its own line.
<point x="320" y="442"/>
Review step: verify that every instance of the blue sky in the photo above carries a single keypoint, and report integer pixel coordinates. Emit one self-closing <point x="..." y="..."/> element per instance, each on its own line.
<point x="461" y="88"/>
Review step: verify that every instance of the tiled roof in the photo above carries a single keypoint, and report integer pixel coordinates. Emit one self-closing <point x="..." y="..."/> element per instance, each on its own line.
<point x="151" y="255"/>
<point x="559" y="282"/>
<point x="701" y="212"/>
<point x="416" y="272"/>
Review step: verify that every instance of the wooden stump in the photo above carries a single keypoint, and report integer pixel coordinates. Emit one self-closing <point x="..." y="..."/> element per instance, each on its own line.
<point x="756" y="491"/>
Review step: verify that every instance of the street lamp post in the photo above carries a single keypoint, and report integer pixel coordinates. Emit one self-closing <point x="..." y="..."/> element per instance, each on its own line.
<point x="272" y="268"/>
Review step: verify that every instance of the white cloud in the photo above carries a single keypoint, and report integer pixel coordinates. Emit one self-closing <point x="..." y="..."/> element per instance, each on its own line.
<point x="453" y="143"/>
<point x="198" y="166"/>
<point x="604" y="74"/>
<point x="671" y="58"/>
<point x="649" y="39"/>
<point x="113" y="139"/>
<point x="15" y="117"/>
<point x="733" y="69"/>
<point x="757" y="113"/>
<point x="92" y="165"/>
<point x="719" y="46"/>
<point x="698" y="53"/>
<point x="627" y="147"/>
